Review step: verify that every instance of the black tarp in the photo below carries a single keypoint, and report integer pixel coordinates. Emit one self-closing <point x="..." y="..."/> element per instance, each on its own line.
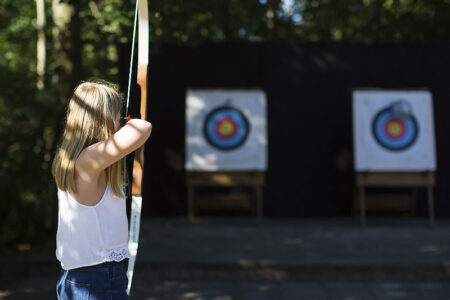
<point x="308" y="85"/>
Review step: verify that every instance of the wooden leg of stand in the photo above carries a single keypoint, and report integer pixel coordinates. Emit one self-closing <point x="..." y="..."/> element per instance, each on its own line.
<point x="191" y="204"/>
<point x="431" y="205"/>
<point x="259" y="203"/>
<point x="362" y="205"/>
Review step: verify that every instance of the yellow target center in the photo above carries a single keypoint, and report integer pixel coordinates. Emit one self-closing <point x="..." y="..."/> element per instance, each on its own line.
<point x="395" y="128"/>
<point x="226" y="128"/>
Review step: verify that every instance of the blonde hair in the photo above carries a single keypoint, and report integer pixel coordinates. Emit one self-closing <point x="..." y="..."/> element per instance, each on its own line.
<point x="91" y="118"/>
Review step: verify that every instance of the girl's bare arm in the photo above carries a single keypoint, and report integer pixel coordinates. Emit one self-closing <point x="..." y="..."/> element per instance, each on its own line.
<point x="97" y="157"/>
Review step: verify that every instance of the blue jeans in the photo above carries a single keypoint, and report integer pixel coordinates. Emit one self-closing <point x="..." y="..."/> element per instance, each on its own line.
<point x="104" y="281"/>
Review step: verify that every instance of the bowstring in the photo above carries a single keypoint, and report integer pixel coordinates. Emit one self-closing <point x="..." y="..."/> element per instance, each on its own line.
<point x="132" y="59"/>
<point x="125" y="118"/>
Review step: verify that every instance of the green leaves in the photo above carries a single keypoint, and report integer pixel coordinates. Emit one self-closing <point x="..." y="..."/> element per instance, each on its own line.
<point x="370" y="20"/>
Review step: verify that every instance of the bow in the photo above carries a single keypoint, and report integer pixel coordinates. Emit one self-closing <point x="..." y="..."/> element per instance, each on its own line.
<point x="141" y="13"/>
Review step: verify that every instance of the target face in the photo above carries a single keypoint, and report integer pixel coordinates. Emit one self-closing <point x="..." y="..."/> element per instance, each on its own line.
<point x="393" y="130"/>
<point x="226" y="128"/>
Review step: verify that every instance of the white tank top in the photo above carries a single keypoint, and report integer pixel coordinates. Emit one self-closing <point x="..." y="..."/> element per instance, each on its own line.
<point x="90" y="235"/>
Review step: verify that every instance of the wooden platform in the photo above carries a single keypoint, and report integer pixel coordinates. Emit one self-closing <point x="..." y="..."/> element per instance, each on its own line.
<point x="253" y="180"/>
<point x="413" y="180"/>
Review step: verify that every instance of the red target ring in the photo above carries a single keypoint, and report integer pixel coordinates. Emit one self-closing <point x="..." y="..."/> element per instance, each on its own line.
<point x="226" y="128"/>
<point x="395" y="128"/>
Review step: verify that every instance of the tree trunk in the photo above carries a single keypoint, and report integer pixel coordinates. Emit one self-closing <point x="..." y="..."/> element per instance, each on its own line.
<point x="61" y="13"/>
<point x="41" y="53"/>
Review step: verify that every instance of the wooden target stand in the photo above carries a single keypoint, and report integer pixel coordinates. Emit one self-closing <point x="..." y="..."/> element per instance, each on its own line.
<point x="197" y="179"/>
<point x="414" y="180"/>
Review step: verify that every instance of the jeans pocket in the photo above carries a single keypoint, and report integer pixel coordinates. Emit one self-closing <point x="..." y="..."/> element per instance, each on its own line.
<point x="75" y="290"/>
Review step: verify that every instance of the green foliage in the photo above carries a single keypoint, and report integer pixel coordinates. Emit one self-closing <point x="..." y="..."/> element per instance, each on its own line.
<point x="375" y="20"/>
<point x="24" y="130"/>
<point x="215" y="20"/>
<point x="26" y="141"/>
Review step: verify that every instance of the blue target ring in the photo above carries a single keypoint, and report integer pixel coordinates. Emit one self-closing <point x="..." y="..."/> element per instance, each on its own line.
<point x="226" y="128"/>
<point x="393" y="131"/>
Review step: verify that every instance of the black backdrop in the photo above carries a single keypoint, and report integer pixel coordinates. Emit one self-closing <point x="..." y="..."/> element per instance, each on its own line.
<point x="308" y="85"/>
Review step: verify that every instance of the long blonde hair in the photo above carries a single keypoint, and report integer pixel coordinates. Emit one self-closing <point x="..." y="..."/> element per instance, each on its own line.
<point x="91" y="118"/>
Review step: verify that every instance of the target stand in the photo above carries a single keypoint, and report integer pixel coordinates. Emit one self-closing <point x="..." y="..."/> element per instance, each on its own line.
<point x="253" y="180"/>
<point x="394" y="146"/>
<point x="414" y="180"/>
<point x="226" y="149"/>
<point x="225" y="129"/>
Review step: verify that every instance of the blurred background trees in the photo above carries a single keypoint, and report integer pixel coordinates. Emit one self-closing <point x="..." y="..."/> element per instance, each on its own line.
<point x="82" y="39"/>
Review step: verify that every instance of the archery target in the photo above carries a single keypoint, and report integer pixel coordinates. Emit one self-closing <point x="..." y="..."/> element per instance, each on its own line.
<point x="393" y="130"/>
<point x="226" y="130"/>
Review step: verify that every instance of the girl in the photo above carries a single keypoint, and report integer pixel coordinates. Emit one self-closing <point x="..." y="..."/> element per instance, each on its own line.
<point x="88" y="168"/>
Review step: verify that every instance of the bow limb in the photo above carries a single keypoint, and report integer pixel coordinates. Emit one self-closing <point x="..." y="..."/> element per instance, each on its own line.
<point x="138" y="163"/>
<point x="143" y="55"/>
<point x="143" y="42"/>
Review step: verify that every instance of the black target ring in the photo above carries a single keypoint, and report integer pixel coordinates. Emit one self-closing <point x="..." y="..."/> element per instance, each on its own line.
<point x="405" y="140"/>
<point x="226" y="128"/>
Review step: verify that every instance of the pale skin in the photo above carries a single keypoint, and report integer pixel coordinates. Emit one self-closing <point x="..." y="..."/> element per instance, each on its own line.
<point x="90" y="174"/>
